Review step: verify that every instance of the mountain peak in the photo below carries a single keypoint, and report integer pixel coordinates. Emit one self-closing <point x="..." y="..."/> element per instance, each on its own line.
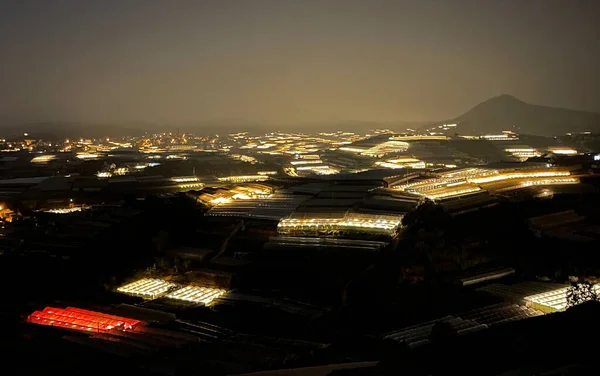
<point x="508" y="112"/>
<point x="506" y="98"/>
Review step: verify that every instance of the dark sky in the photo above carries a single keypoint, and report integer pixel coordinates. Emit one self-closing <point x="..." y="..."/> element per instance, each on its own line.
<point x="291" y="61"/>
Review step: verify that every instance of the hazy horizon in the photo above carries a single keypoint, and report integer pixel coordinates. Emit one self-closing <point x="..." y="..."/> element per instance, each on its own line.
<point x="291" y="62"/>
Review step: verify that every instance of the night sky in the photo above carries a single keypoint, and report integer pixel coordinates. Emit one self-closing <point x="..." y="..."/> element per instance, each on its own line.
<point x="291" y="61"/>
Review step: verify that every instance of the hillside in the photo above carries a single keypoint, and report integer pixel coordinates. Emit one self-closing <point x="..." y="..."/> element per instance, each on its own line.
<point x="506" y="112"/>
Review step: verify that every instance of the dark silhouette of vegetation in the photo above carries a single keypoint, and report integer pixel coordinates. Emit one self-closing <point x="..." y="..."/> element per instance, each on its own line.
<point x="580" y="293"/>
<point x="427" y="216"/>
<point x="442" y="332"/>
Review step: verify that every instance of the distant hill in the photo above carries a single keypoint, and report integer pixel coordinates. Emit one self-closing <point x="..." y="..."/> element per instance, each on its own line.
<point x="506" y="112"/>
<point x="60" y="131"/>
<point x="503" y="112"/>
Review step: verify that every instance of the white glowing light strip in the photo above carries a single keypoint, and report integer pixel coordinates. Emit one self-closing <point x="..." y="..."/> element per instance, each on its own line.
<point x="64" y="210"/>
<point x="244" y="178"/>
<point x="351" y="149"/>
<point x="457" y="183"/>
<point x="43" y="158"/>
<point x="191" y="185"/>
<point x="520" y="150"/>
<point x="265" y="146"/>
<point x="563" y="151"/>
<point x="312" y="168"/>
<point x="498" y="137"/>
<point x="468" y="172"/>
<point x="185" y="179"/>
<point x="404" y="160"/>
<point x="306" y="161"/>
<point x="390" y="165"/>
<point x="147" y="287"/>
<point x="326" y="171"/>
<point x="518" y="175"/>
<point x="525" y="154"/>
<point x="415" y="184"/>
<point x="87" y="156"/>
<point x="387" y="147"/>
<point x="346" y="222"/>
<point x="196" y="294"/>
<point x="397" y="165"/>
<point x="550" y="181"/>
<point x="417" y="138"/>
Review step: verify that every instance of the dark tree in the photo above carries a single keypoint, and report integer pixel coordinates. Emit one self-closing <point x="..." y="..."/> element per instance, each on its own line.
<point x="427" y="216"/>
<point x="580" y="293"/>
<point x="442" y="332"/>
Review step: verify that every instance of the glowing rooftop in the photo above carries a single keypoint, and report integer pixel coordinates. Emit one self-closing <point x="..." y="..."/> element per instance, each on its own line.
<point x="196" y="294"/>
<point x="147" y="288"/>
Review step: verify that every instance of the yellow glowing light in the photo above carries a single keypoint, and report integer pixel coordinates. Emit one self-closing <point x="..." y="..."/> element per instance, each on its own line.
<point x="451" y="193"/>
<point x="563" y="151"/>
<point x="420" y="137"/>
<point x="240" y="196"/>
<point x="65" y="210"/>
<point x="220" y="200"/>
<point x="349" y="222"/>
<point x="402" y="163"/>
<point x="552" y="301"/>
<point x="185" y="179"/>
<point x="303" y="162"/>
<point x="518" y="175"/>
<point x="552" y="181"/>
<point x="196" y="294"/>
<point x="147" y="288"/>
<point x="87" y="156"/>
<point x="43" y="158"/>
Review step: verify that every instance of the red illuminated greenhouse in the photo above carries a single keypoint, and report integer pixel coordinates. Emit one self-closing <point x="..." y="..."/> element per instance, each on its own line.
<point x="81" y="319"/>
